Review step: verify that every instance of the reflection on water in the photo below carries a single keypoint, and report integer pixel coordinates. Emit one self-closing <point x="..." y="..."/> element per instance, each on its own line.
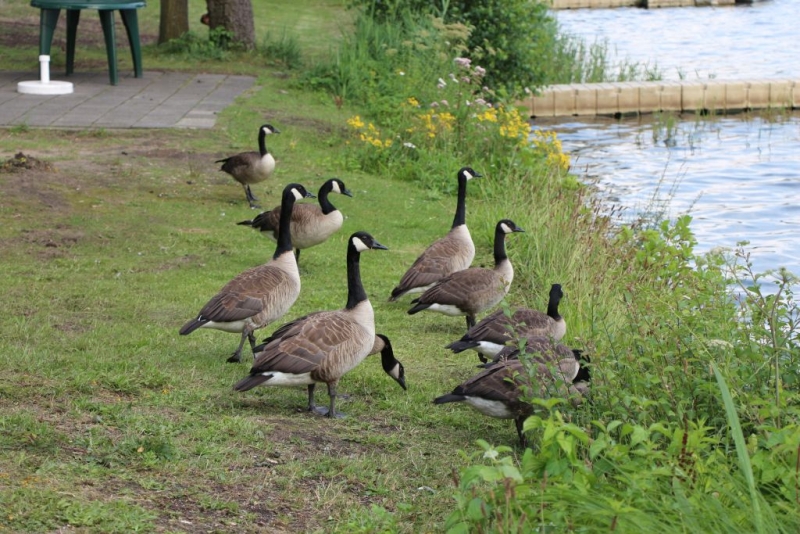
<point x="738" y="177"/>
<point x="756" y="40"/>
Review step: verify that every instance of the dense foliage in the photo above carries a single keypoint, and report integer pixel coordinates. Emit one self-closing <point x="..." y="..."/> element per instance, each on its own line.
<point x="512" y="39"/>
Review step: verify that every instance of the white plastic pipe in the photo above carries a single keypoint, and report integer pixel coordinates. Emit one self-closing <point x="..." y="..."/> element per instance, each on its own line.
<point x="44" y="69"/>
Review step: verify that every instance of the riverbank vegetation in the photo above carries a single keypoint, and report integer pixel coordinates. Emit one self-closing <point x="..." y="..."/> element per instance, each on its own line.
<point x="111" y="422"/>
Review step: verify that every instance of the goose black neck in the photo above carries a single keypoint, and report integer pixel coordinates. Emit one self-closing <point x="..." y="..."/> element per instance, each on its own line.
<point x="461" y="204"/>
<point x="552" y="308"/>
<point x="324" y="202"/>
<point x="262" y="142"/>
<point x="284" y="228"/>
<point x="499" y="246"/>
<point x="355" y="289"/>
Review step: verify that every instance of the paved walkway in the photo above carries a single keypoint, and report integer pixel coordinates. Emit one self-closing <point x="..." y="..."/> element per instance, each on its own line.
<point x="157" y="100"/>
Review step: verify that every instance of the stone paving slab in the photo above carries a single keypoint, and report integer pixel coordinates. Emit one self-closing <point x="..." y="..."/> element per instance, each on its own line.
<point x="157" y="100"/>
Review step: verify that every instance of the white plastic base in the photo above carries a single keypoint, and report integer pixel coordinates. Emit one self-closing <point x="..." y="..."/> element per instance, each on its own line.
<point x="37" y="87"/>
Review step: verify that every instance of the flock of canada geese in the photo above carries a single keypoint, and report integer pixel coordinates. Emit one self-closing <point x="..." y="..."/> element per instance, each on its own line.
<point x="321" y="347"/>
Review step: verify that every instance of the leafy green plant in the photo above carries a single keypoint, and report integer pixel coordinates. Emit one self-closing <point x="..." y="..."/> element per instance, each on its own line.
<point x="283" y="51"/>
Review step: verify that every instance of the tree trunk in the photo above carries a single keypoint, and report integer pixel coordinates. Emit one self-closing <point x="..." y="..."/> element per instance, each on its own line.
<point x="235" y="16"/>
<point x="174" y="20"/>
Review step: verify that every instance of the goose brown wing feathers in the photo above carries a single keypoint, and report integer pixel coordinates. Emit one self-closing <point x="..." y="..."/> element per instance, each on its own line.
<point x="317" y="344"/>
<point x="242" y="297"/>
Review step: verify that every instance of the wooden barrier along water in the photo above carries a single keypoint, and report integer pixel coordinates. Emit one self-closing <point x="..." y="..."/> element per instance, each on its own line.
<point x="632" y="98"/>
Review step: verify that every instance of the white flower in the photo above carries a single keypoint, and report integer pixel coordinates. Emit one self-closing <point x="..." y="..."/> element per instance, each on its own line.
<point x="463" y="62"/>
<point x="409" y="145"/>
<point x="480" y="72"/>
<point x="442" y="84"/>
<point x="445" y="104"/>
<point x="401" y="73"/>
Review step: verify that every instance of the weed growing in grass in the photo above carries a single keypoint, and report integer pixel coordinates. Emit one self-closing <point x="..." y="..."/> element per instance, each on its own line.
<point x="283" y="51"/>
<point x="194" y="45"/>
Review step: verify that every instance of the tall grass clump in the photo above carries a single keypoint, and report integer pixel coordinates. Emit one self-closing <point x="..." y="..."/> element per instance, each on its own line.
<point x="573" y="60"/>
<point x="281" y="51"/>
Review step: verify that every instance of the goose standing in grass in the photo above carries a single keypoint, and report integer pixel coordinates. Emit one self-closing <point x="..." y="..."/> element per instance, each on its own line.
<point x="311" y="224"/>
<point x="492" y="332"/>
<point x="321" y="347"/>
<point x="260" y="295"/>
<point x="499" y="390"/>
<point x="249" y="168"/>
<point x="474" y="290"/>
<point x="451" y="253"/>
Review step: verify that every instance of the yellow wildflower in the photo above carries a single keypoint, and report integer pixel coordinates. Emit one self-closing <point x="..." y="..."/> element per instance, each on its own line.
<point x="355" y="122"/>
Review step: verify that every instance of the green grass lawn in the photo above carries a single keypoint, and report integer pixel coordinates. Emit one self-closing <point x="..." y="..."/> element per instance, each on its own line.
<point x="112" y="422"/>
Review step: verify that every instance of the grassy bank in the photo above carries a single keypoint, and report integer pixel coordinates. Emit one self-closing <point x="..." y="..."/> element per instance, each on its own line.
<point x="111" y="422"/>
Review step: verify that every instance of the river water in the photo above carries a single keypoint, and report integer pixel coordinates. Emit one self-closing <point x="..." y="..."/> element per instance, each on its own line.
<point x="738" y="175"/>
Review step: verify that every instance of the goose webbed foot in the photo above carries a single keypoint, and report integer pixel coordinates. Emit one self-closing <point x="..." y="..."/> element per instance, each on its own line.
<point x="470" y="321"/>
<point x="332" y="413"/>
<point x="251" y="199"/>
<point x="320" y="410"/>
<point x="237" y="355"/>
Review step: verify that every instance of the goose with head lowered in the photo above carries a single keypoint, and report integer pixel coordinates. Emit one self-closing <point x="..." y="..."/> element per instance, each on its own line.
<point x="390" y="365"/>
<point x="499" y="390"/>
<point x="311" y="224"/>
<point x="321" y="347"/>
<point x="474" y="290"/>
<point x="249" y="168"/>
<point x="498" y="328"/>
<point x="260" y="295"/>
<point x="453" y="252"/>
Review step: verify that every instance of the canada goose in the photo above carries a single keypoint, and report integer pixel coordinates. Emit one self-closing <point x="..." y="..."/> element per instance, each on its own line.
<point x="498" y="328"/>
<point x="251" y="167"/>
<point x="451" y="253"/>
<point x="390" y="365"/>
<point x="474" y="290"/>
<point x="322" y="346"/>
<point x="497" y="390"/>
<point x="260" y="295"/>
<point x="311" y="225"/>
<point x="540" y="348"/>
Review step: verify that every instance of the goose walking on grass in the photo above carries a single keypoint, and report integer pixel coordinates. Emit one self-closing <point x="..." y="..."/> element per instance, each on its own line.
<point x="260" y="295"/>
<point x="497" y="329"/>
<point x="311" y="224"/>
<point x="321" y="347"/>
<point x="249" y="168"/>
<point x="499" y="390"/>
<point x="453" y="252"/>
<point x="474" y="290"/>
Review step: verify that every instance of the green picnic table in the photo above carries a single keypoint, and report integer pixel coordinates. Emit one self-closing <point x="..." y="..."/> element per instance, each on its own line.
<point x="127" y="10"/>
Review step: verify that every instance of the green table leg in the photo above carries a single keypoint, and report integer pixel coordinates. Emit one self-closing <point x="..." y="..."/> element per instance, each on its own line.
<point x="131" y="21"/>
<point x="73" y="17"/>
<point x="107" y="21"/>
<point x="48" y="19"/>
